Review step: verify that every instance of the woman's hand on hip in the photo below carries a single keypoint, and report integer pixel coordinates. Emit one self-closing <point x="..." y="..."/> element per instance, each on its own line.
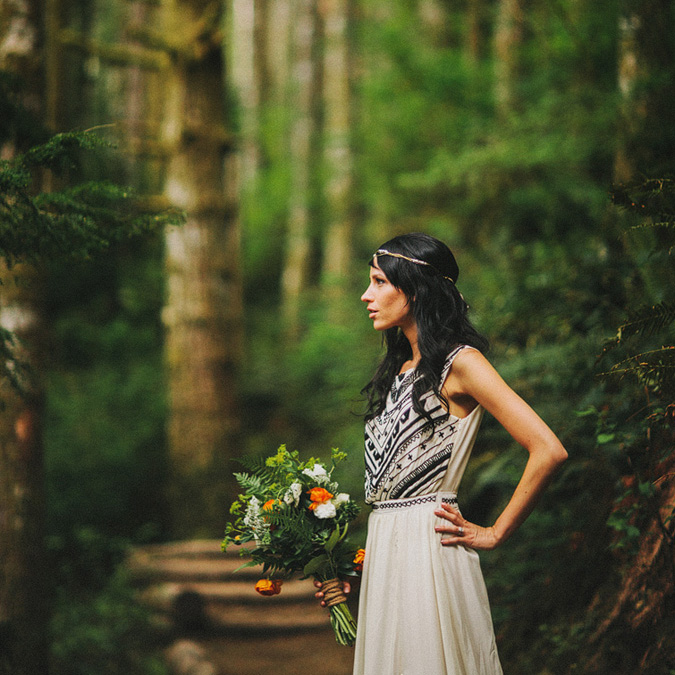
<point x="459" y="531"/>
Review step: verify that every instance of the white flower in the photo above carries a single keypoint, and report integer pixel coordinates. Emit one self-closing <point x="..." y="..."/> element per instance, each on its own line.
<point x="254" y="519"/>
<point x="340" y="499"/>
<point x="325" y="510"/>
<point x="318" y="473"/>
<point x="292" y="496"/>
<point x="252" y="512"/>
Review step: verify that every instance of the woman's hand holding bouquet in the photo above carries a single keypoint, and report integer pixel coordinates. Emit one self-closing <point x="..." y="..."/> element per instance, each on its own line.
<point x="297" y="519"/>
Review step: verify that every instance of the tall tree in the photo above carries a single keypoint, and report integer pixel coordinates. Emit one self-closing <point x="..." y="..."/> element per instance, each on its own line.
<point x="474" y="30"/>
<point x="645" y="78"/>
<point x="203" y="309"/>
<point x="337" y="102"/>
<point x="246" y="40"/>
<point x="23" y="571"/>
<point x="305" y="88"/>
<point x="508" y="36"/>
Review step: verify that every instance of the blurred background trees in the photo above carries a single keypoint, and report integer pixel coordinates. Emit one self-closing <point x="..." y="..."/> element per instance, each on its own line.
<point x="537" y="139"/>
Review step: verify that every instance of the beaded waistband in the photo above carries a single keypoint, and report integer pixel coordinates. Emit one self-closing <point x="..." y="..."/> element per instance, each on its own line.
<point x="445" y="498"/>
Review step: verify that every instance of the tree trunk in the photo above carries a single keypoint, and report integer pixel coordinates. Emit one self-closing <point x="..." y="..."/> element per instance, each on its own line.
<point x="24" y="614"/>
<point x="474" y="31"/>
<point x="243" y="29"/>
<point x="203" y="311"/>
<point x="278" y="51"/>
<point x="432" y="13"/>
<point x="645" y="78"/>
<point x="24" y="607"/>
<point x="305" y="90"/>
<point x="507" y="41"/>
<point x="337" y="147"/>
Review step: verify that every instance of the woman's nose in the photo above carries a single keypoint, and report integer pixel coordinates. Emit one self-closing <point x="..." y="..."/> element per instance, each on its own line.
<point x="366" y="296"/>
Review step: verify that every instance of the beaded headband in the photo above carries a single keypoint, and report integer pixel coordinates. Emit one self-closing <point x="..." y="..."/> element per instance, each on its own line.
<point x="416" y="261"/>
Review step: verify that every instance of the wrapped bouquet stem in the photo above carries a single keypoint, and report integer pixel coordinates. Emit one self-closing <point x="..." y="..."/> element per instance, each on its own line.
<point x="296" y="520"/>
<point x="341" y="617"/>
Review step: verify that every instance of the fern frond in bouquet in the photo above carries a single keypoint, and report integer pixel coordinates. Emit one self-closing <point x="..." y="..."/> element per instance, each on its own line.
<point x="297" y="521"/>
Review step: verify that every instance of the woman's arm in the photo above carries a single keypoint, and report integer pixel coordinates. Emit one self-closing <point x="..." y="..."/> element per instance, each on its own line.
<point x="473" y="379"/>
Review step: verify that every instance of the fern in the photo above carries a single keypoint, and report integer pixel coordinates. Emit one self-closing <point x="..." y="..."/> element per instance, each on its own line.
<point x="253" y="463"/>
<point x="250" y="483"/>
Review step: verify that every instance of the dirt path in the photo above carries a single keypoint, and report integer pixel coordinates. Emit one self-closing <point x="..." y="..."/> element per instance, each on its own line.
<point x="280" y="655"/>
<point x="214" y="616"/>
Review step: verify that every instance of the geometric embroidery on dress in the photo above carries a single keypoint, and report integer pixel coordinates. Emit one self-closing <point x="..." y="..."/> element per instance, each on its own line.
<point x="413" y="501"/>
<point x="399" y="447"/>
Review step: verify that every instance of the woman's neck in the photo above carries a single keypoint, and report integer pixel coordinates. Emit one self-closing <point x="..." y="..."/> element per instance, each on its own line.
<point x="410" y="333"/>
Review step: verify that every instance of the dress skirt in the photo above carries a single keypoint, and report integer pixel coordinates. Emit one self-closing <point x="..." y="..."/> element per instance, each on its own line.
<point x="423" y="607"/>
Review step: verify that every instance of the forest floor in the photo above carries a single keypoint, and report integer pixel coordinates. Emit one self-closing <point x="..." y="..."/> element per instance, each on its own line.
<point x="218" y="624"/>
<point x="281" y="655"/>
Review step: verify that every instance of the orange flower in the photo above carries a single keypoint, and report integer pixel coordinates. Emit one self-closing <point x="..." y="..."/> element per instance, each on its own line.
<point x="319" y="495"/>
<point x="269" y="586"/>
<point x="269" y="504"/>
<point x="358" y="559"/>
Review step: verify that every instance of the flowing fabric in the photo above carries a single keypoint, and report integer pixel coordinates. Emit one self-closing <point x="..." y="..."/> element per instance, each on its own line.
<point x="423" y="607"/>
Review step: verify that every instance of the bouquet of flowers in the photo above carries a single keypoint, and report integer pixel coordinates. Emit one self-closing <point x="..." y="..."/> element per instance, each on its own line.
<point x="297" y="521"/>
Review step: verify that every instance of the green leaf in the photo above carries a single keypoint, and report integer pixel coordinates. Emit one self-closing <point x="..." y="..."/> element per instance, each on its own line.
<point x="333" y="539"/>
<point x="646" y="489"/>
<point x="315" y="564"/>
<point x="250" y="563"/>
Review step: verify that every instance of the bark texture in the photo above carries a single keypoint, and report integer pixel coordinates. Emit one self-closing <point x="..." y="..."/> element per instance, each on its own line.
<point x="203" y="308"/>
<point x="305" y="88"/>
<point x="337" y="145"/>
<point x="24" y="608"/>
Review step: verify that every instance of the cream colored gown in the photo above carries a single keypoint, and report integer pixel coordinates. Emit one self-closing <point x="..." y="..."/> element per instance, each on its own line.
<point x="423" y="607"/>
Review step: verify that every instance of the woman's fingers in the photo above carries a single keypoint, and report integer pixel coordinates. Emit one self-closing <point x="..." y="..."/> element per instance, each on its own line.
<point x="346" y="588"/>
<point x="458" y="531"/>
<point x="456" y="524"/>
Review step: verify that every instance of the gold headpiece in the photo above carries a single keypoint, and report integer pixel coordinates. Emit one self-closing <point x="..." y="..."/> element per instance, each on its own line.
<point x="416" y="261"/>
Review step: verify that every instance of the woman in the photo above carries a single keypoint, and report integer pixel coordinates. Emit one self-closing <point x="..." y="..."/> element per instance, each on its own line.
<point x="423" y="606"/>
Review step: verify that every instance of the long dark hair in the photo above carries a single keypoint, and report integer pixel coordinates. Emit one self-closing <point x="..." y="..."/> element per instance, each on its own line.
<point x="440" y="313"/>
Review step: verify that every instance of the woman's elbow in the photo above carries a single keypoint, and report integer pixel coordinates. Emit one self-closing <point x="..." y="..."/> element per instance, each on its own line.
<point x="558" y="455"/>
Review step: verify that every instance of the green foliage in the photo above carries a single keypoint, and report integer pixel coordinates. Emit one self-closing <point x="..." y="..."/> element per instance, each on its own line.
<point x="105" y="416"/>
<point x="98" y="625"/>
<point x="645" y="357"/>
<point x="107" y="633"/>
<point x="76" y="221"/>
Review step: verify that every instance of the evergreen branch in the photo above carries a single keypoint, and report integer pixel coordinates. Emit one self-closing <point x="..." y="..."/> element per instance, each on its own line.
<point x="654" y="369"/>
<point x="651" y="196"/>
<point x="663" y="224"/>
<point x="647" y="320"/>
<point x="75" y="222"/>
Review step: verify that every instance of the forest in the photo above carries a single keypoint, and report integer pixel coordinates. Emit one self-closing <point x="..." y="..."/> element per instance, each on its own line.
<point x="190" y="194"/>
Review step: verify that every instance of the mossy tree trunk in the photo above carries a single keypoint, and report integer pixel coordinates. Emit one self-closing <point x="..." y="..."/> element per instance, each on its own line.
<point x="203" y="310"/>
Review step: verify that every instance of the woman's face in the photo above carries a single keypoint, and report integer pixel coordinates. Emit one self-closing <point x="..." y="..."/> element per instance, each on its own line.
<point x="388" y="306"/>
